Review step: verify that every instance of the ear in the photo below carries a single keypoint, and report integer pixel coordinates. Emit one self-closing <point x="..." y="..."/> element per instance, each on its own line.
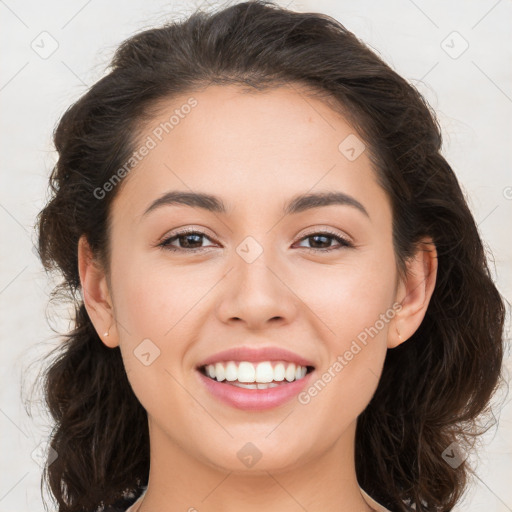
<point x="414" y="292"/>
<point x="96" y="294"/>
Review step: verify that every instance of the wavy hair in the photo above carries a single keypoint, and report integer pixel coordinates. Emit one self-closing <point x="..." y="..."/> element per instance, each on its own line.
<point x="434" y="387"/>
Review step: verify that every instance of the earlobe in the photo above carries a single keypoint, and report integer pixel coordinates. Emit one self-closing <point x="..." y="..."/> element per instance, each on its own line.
<point x="96" y="294"/>
<point x="414" y="292"/>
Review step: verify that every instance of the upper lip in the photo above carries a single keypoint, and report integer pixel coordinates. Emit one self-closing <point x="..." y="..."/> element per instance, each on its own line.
<point x="255" y="355"/>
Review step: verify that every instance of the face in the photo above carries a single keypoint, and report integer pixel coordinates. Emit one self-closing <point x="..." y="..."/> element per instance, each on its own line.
<point x="266" y="271"/>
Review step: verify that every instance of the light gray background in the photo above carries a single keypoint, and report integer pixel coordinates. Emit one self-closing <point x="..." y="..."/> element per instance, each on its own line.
<point x="472" y="93"/>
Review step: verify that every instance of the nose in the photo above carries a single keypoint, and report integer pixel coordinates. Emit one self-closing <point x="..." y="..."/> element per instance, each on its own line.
<point x="257" y="294"/>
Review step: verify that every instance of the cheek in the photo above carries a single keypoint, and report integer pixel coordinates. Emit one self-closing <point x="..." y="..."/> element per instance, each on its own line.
<point x="152" y="311"/>
<point x="155" y="306"/>
<point x="359" y="317"/>
<point x="354" y="305"/>
<point x="351" y="297"/>
<point x="341" y="392"/>
<point x="151" y="297"/>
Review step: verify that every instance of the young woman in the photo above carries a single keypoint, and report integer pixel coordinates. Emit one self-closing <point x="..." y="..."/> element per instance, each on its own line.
<point x="282" y="300"/>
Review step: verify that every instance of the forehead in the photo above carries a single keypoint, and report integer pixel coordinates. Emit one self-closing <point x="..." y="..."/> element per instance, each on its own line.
<point x="233" y="143"/>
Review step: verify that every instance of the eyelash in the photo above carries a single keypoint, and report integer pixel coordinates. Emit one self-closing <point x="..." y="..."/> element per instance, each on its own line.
<point x="344" y="243"/>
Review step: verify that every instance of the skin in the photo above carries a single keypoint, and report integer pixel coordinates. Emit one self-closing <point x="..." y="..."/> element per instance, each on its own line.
<point x="256" y="151"/>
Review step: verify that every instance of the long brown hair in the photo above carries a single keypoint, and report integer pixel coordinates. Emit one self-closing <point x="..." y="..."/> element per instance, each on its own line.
<point x="433" y="387"/>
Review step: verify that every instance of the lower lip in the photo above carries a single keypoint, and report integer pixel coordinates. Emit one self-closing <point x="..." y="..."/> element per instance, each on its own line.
<point x="255" y="399"/>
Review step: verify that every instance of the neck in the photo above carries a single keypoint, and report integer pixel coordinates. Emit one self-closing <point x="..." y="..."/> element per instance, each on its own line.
<point x="325" y="481"/>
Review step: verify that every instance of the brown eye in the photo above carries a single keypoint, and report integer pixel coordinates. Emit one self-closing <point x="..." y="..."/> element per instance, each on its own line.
<point x="323" y="241"/>
<point x="187" y="240"/>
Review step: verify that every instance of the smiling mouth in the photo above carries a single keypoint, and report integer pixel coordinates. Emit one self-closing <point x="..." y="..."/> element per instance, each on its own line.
<point x="262" y="375"/>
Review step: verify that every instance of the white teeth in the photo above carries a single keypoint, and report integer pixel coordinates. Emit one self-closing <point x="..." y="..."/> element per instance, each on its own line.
<point x="300" y="372"/>
<point x="231" y="372"/>
<point x="264" y="372"/>
<point x="246" y="386"/>
<point x="279" y="371"/>
<point x="255" y="386"/>
<point x="246" y="372"/>
<point x="260" y="375"/>
<point x="290" y="373"/>
<point x="219" y="371"/>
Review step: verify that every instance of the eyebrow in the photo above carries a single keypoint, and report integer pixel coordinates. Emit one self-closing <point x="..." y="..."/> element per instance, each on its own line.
<point x="297" y="204"/>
